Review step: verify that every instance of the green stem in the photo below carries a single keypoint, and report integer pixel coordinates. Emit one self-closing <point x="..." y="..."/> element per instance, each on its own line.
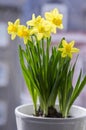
<point x="45" y="109"/>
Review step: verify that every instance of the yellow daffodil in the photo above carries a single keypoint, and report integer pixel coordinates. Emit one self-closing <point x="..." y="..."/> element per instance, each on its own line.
<point x="12" y="28"/>
<point x="35" y="21"/>
<point x="68" y="49"/>
<point x="24" y="32"/>
<point x="55" y="18"/>
<point x="43" y="30"/>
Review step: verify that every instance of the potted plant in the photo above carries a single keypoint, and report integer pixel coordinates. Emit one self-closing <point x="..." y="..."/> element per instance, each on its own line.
<point x="48" y="74"/>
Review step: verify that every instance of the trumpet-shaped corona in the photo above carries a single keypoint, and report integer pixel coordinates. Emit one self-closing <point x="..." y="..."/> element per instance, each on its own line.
<point x="24" y="32"/>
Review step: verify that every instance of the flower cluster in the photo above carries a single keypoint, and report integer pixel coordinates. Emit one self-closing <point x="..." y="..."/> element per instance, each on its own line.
<point x="42" y="28"/>
<point x="39" y="26"/>
<point x="47" y="75"/>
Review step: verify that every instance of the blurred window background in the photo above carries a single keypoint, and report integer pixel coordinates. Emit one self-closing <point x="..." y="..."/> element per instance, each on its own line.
<point x="13" y="91"/>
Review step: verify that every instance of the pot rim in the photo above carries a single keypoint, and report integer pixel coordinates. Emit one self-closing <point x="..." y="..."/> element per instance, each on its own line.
<point x="20" y="114"/>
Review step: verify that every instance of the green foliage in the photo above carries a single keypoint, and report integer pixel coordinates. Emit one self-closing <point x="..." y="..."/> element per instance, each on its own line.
<point x="48" y="75"/>
<point x="67" y="92"/>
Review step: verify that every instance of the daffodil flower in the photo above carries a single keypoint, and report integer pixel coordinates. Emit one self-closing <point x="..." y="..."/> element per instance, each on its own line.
<point x="24" y="32"/>
<point x="12" y="28"/>
<point x="68" y="49"/>
<point x="55" y="18"/>
<point x="43" y="30"/>
<point x="35" y="20"/>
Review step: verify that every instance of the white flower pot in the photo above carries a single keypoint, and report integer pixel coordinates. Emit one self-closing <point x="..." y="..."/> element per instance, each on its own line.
<point x="26" y="121"/>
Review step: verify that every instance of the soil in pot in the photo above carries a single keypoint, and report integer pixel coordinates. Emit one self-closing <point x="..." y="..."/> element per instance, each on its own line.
<point x="52" y="112"/>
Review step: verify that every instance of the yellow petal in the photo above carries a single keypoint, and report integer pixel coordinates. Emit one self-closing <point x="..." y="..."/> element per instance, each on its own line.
<point x="33" y="16"/>
<point x="48" y="16"/>
<point x="25" y="40"/>
<point x="72" y="43"/>
<point x="64" y="54"/>
<point x="64" y="43"/>
<point x="60" y="16"/>
<point x="13" y="36"/>
<point x="60" y="49"/>
<point x="17" y="22"/>
<point x="70" y="55"/>
<point x="55" y="11"/>
<point x="74" y="50"/>
<point x="39" y="36"/>
<point x="10" y="23"/>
